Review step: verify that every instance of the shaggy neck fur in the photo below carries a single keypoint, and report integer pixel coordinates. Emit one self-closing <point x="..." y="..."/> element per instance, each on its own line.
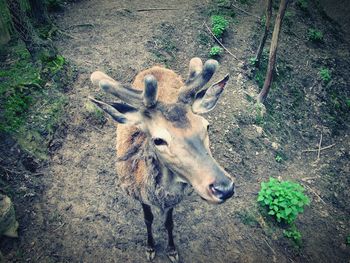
<point x="160" y="186"/>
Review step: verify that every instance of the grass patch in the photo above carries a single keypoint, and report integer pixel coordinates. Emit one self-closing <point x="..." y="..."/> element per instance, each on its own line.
<point x="315" y="35"/>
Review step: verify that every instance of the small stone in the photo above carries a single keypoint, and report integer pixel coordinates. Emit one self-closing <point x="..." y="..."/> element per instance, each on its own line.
<point x="259" y="129"/>
<point x="275" y="145"/>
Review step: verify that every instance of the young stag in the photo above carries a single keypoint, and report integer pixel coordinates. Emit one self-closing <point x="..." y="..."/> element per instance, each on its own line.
<point x="163" y="144"/>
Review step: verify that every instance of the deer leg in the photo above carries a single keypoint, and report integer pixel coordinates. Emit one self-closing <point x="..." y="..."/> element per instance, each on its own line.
<point x="150" y="251"/>
<point x="172" y="253"/>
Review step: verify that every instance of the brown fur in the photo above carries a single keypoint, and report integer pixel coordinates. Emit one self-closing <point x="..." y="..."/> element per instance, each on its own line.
<point x="136" y="175"/>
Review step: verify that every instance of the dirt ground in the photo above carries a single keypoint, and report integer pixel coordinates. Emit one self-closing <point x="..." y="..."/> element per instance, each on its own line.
<point x="80" y="215"/>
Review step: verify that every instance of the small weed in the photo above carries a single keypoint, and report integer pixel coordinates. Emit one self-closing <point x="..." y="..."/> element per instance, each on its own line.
<point x="259" y="118"/>
<point x="215" y="51"/>
<point x="278" y="158"/>
<point x="288" y="18"/>
<point x="263" y="21"/>
<point x="252" y="61"/>
<point x="315" y="35"/>
<point x="245" y="2"/>
<point x="347" y="102"/>
<point x="259" y="78"/>
<point x="325" y="75"/>
<point x="303" y="4"/>
<point x="294" y="234"/>
<point x="56" y="64"/>
<point x="347" y="242"/>
<point x="284" y="200"/>
<point x="218" y="25"/>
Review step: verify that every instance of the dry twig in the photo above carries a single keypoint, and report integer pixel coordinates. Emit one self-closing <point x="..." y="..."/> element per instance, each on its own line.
<point x="242" y="10"/>
<point x="273" y="251"/>
<point x="313" y="191"/>
<point x="154" y="9"/>
<point x="218" y="41"/>
<point x="80" y="25"/>
<point x="319" y="148"/>
<point x="316" y="150"/>
<point x="309" y="178"/>
<point x="61" y="225"/>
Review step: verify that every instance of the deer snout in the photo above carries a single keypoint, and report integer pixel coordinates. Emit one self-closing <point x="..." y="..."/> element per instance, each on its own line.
<point x="222" y="189"/>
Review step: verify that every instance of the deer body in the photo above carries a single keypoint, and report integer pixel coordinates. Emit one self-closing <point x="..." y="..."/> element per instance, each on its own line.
<point x="162" y="141"/>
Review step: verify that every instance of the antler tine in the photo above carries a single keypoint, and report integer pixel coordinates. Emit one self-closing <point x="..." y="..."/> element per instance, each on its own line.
<point x="124" y="92"/>
<point x="150" y="92"/>
<point x="188" y="92"/>
<point x="196" y="66"/>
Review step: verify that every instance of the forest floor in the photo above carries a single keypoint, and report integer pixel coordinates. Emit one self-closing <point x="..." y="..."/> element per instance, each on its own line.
<point x="80" y="215"/>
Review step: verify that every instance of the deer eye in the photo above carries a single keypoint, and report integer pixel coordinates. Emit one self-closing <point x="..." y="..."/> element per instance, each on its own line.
<point x="159" y="141"/>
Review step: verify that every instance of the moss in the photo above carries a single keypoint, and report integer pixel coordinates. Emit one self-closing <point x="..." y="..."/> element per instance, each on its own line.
<point x="30" y="110"/>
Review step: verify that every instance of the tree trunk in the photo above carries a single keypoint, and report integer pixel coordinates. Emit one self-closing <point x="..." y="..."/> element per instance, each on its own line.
<point x="268" y="14"/>
<point x="273" y="50"/>
<point x="39" y="11"/>
<point x="27" y="33"/>
<point x="4" y="32"/>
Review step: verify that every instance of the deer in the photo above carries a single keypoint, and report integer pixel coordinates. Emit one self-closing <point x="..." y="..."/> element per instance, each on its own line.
<point x="163" y="142"/>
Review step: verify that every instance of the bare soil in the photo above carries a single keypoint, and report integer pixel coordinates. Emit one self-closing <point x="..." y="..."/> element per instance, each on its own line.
<point x="78" y="214"/>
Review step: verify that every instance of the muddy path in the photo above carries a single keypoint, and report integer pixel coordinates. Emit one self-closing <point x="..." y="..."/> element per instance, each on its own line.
<point x="84" y="217"/>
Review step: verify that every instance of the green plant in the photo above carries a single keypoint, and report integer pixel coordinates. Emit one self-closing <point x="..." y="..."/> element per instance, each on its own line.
<point x="303" y="4"/>
<point x="347" y="101"/>
<point x="218" y="25"/>
<point x="284" y="200"/>
<point x="347" y="242"/>
<point x="215" y="51"/>
<point x="245" y="2"/>
<point x="278" y="158"/>
<point x="259" y="110"/>
<point x="263" y="20"/>
<point x="54" y="64"/>
<point x="315" y="35"/>
<point x="325" y="75"/>
<point x="294" y="234"/>
<point x="252" y="61"/>
<point x="288" y="18"/>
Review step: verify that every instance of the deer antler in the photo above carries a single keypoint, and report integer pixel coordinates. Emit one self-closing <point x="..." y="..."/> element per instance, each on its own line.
<point x="198" y="76"/>
<point x="151" y="91"/>
<point x="124" y="92"/>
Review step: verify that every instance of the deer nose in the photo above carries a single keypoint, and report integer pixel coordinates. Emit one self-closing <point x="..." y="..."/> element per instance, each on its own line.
<point x="222" y="190"/>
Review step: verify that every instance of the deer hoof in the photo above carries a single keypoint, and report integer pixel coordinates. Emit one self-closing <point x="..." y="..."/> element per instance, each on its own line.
<point x="150" y="253"/>
<point x="173" y="255"/>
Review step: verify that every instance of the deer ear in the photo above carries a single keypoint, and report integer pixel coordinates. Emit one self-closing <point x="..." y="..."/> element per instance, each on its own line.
<point x="121" y="113"/>
<point x="206" y="99"/>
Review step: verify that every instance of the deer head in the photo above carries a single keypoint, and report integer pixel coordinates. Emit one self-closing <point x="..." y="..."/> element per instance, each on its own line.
<point x="176" y="131"/>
